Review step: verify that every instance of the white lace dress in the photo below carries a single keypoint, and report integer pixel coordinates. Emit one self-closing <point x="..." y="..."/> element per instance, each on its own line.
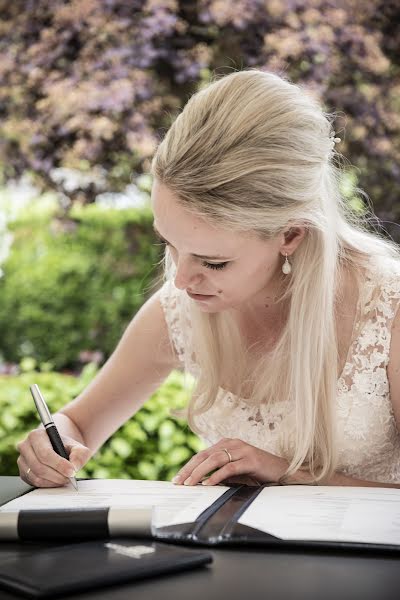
<point x="369" y="441"/>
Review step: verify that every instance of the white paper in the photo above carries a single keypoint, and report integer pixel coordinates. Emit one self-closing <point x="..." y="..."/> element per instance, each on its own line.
<point x="172" y="502"/>
<point x="348" y="514"/>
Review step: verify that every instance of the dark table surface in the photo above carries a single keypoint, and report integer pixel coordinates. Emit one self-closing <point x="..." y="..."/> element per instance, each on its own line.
<point x="252" y="573"/>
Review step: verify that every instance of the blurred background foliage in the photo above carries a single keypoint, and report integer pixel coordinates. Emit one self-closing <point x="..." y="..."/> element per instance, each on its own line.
<point x="87" y="90"/>
<point x="71" y="286"/>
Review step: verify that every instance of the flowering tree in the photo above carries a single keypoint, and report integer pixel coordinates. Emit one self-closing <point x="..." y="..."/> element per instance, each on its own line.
<point x="94" y="85"/>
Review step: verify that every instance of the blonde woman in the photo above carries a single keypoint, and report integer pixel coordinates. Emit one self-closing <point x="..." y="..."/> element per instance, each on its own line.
<point x="281" y="305"/>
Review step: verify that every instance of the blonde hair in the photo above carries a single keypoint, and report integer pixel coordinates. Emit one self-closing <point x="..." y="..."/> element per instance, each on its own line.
<point x="252" y="152"/>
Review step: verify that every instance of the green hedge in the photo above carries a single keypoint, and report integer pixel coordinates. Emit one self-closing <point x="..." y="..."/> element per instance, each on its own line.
<point x="151" y="445"/>
<point x="73" y="284"/>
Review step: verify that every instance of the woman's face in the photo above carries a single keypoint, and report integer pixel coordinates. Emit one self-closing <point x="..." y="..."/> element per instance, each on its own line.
<point x="227" y="269"/>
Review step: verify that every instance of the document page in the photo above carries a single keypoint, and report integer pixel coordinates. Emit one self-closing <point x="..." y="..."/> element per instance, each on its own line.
<point x="170" y="500"/>
<point x="340" y="514"/>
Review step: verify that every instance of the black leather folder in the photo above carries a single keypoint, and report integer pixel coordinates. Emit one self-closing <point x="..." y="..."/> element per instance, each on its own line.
<point x="56" y="570"/>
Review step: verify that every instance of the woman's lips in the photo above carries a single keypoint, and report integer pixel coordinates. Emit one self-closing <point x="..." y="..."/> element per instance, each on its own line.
<point x="200" y="296"/>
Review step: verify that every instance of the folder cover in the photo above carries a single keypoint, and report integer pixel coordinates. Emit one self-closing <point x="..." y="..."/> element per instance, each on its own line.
<point x="58" y="570"/>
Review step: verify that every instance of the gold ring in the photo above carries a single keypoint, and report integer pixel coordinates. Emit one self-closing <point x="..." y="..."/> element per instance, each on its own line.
<point x="28" y="471"/>
<point x="228" y="454"/>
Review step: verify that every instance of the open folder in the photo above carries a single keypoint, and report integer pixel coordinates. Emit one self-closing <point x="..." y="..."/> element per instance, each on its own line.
<point x="365" y="518"/>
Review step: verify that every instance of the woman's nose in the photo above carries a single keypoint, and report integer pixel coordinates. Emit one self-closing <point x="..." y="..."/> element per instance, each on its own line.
<point x="186" y="275"/>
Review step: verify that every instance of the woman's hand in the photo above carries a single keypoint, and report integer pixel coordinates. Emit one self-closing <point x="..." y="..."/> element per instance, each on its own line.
<point x="234" y="461"/>
<point x="40" y="466"/>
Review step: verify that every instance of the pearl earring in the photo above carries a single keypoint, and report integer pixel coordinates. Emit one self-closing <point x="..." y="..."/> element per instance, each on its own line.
<point x="286" y="267"/>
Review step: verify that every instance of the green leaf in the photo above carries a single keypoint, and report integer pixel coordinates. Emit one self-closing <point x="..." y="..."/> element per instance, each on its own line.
<point x="148" y="470"/>
<point x="121" y="447"/>
<point x="9" y="421"/>
<point x="166" y="429"/>
<point x="178" y="456"/>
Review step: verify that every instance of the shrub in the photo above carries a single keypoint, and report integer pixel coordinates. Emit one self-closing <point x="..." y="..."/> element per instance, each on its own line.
<point x="150" y="445"/>
<point x="72" y="285"/>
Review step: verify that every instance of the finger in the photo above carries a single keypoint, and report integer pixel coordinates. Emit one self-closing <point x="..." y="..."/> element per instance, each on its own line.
<point x="47" y="455"/>
<point x="185" y="472"/>
<point x="78" y="455"/>
<point x="216" y="460"/>
<point x="232" y="469"/>
<point x="227" y="443"/>
<point x="23" y="470"/>
<point x="28" y="475"/>
<point x="192" y="464"/>
<point x="42" y="470"/>
<point x="38" y="453"/>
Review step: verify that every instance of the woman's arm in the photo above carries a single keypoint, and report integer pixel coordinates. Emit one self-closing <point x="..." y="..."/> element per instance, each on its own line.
<point x="234" y="460"/>
<point x="140" y="363"/>
<point x="338" y="479"/>
<point x="393" y="369"/>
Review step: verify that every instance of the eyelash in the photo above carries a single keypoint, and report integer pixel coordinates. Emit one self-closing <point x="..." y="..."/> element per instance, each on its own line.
<point x="215" y="266"/>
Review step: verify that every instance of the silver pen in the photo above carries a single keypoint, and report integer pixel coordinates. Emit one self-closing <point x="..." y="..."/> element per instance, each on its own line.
<point x="49" y="425"/>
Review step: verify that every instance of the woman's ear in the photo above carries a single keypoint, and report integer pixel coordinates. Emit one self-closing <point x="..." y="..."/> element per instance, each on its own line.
<point x="293" y="236"/>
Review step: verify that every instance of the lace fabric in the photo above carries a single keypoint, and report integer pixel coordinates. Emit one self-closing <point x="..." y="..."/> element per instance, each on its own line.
<point x="368" y="438"/>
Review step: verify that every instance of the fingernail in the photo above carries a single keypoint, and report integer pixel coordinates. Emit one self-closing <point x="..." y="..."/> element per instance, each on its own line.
<point x="70" y="473"/>
<point x="205" y="482"/>
<point x="187" y="481"/>
<point x="176" y="479"/>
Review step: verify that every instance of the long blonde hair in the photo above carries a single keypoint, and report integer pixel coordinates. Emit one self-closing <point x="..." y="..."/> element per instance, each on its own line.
<point x="253" y="152"/>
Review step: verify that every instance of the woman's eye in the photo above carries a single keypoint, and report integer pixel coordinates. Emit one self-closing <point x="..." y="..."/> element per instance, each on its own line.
<point x="214" y="265"/>
<point x="209" y="265"/>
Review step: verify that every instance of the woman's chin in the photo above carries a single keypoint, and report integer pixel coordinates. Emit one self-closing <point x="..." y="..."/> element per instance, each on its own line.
<point x="208" y="309"/>
<point x="213" y="304"/>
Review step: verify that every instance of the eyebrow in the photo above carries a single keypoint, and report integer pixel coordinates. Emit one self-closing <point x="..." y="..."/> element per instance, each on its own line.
<point x="202" y="256"/>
